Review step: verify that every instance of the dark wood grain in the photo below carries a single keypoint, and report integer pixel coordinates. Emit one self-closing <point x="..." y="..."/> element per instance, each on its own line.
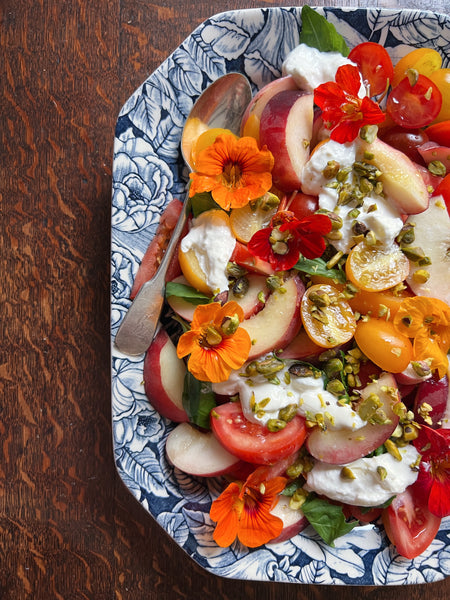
<point x="68" y="527"/>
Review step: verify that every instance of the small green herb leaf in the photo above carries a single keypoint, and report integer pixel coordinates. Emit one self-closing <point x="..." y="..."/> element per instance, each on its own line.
<point x="186" y="292"/>
<point x="327" y="519"/>
<point x="198" y="400"/>
<point x="317" y="266"/>
<point x="318" y="33"/>
<point x="202" y="202"/>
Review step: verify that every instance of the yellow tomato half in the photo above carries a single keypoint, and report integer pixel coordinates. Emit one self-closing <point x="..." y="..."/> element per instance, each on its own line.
<point x="441" y="78"/>
<point x="423" y="60"/>
<point x="383" y="345"/>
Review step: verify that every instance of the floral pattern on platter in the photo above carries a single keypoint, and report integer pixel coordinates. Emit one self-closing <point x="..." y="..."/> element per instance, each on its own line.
<point x="148" y="172"/>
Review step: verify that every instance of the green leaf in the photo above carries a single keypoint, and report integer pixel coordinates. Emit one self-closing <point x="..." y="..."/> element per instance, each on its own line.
<point x="317" y="266"/>
<point x="186" y="292"/>
<point x="318" y="33"/>
<point x="202" y="202"/>
<point x="327" y="519"/>
<point x="198" y="400"/>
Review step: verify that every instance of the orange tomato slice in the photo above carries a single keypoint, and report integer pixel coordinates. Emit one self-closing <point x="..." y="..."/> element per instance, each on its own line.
<point x="374" y="269"/>
<point x="383" y="345"/>
<point x="423" y="60"/>
<point x="377" y="304"/>
<point x="247" y="220"/>
<point x="327" y="317"/>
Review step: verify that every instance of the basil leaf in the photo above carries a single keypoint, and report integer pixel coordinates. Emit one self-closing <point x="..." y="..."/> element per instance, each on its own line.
<point x="202" y="202"/>
<point x="198" y="400"/>
<point x="317" y="266"/>
<point x="318" y="33"/>
<point x="186" y="292"/>
<point x="327" y="519"/>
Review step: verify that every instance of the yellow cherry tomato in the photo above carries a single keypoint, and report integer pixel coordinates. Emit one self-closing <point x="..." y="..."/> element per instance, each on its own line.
<point x="441" y="78"/>
<point x="383" y="345"/>
<point x="377" y="304"/>
<point x="374" y="268"/>
<point x="423" y="60"/>
<point x="327" y="317"/>
<point x="248" y="219"/>
<point x="205" y="139"/>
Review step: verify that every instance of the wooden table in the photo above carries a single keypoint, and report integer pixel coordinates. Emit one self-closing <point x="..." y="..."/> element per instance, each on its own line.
<point x="68" y="526"/>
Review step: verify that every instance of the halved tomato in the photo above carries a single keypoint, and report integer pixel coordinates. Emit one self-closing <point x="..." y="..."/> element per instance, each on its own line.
<point x="375" y="66"/>
<point x="443" y="189"/>
<point x="253" y="442"/>
<point x="409" y="525"/>
<point x="414" y="104"/>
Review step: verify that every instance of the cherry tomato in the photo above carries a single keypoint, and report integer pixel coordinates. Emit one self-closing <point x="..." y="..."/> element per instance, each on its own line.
<point x="375" y="269"/>
<point x="302" y="205"/>
<point x="441" y="79"/>
<point x="375" y="66"/>
<point x="383" y="345"/>
<point x="439" y="132"/>
<point x="443" y="189"/>
<point x="423" y="60"/>
<point x="241" y="256"/>
<point x="406" y="140"/>
<point x="157" y="246"/>
<point x="409" y="525"/>
<point x="365" y="515"/>
<point x="377" y="304"/>
<point x="414" y="105"/>
<point x="253" y="442"/>
<point x="327" y="317"/>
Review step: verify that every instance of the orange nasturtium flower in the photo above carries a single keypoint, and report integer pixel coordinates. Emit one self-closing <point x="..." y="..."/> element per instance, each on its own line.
<point x="427" y="320"/>
<point x="243" y="510"/>
<point x="234" y="170"/>
<point x="215" y="342"/>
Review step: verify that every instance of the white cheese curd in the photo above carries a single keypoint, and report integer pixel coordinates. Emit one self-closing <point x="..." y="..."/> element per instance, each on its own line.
<point x="213" y="245"/>
<point x="307" y="393"/>
<point x="384" y="220"/>
<point x="310" y="67"/>
<point x="368" y="488"/>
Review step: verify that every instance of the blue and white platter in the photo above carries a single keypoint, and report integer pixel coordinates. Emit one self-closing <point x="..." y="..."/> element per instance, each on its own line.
<point x="148" y="172"/>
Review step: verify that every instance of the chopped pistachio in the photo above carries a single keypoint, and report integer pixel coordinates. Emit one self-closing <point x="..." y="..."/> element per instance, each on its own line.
<point x="421" y="276"/>
<point x="347" y="473"/>
<point x="392" y="449"/>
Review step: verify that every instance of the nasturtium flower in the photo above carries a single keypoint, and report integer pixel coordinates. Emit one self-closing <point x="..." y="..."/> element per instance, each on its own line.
<point x="243" y="510"/>
<point x="215" y="342"/>
<point x="427" y="321"/>
<point x="433" y="482"/>
<point x="343" y="111"/>
<point x="234" y="170"/>
<point x="287" y="237"/>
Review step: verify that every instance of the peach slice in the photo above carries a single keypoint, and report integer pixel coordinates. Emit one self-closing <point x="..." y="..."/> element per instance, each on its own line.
<point x="276" y="325"/>
<point x="342" y="446"/>
<point x="286" y="130"/>
<point x="198" y="453"/>
<point x="402" y="180"/>
<point x="164" y="375"/>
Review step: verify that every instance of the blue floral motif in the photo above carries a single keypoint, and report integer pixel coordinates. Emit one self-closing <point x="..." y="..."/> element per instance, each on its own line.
<point x="147" y="172"/>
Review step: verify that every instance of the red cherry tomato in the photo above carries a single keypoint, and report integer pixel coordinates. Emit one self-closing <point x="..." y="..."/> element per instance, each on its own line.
<point x="443" y="189"/>
<point x="253" y="442"/>
<point x="375" y="66"/>
<point x="303" y="205"/>
<point x="242" y="257"/>
<point x="407" y="141"/>
<point x="414" y="105"/>
<point x="409" y="525"/>
<point x="439" y="133"/>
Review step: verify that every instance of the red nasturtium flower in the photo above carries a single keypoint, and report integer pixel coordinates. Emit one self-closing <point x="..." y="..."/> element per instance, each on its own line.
<point x="234" y="170"/>
<point x="433" y="481"/>
<point x="281" y="243"/>
<point x="243" y="510"/>
<point x="215" y="342"/>
<point x="343" y="111"/>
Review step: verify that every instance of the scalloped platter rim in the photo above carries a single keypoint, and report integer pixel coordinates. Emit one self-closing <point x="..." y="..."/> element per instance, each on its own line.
<point x="148" y="172"/>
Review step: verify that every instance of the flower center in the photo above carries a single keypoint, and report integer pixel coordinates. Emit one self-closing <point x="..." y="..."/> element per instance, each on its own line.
<point x="210" y="337"/>
<point x="232" y="174"/>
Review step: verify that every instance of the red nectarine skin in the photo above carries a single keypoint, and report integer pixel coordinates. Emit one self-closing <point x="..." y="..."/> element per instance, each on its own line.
<point x="286" y="129"/>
